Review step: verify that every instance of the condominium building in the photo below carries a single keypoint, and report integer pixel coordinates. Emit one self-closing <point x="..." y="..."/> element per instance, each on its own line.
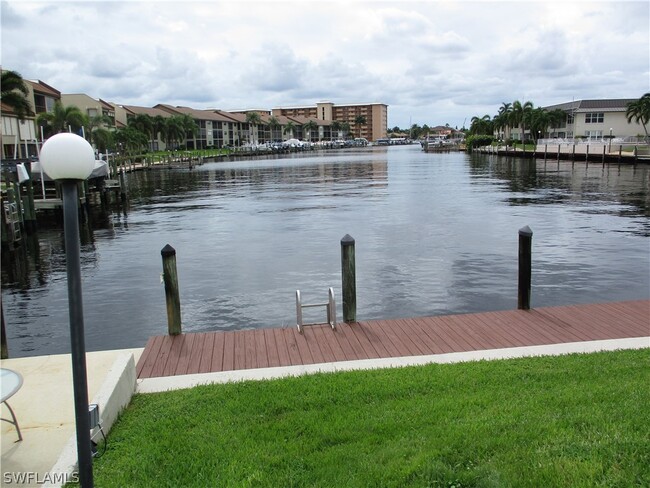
<point x="18" y="138"/>
<point x="90" y="107"/>
<point x="589" y="119"/>
<point x="216" y="128"/>
<point x="595" y="119"/>
<point x="375" y="115"/>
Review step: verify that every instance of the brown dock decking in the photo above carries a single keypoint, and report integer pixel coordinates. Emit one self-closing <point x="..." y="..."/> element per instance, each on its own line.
<point x="261" y="348"/>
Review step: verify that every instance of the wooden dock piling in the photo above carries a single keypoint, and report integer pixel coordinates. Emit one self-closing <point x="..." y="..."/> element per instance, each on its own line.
<point x="525" y="267"/>
<point x="172" y="295"/>
<point x="4" y="350"/>
<point x="28" y="203"/>
<point x="348" y="279"/>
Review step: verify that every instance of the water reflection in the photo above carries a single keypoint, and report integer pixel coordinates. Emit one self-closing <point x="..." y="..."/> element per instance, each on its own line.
<point x="436" y="233"/>
<point x="545" y="182"/>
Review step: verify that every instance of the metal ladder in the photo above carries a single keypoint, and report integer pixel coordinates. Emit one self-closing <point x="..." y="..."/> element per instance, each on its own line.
<point x="12" y="218"/>
<point x="330" y="306"/>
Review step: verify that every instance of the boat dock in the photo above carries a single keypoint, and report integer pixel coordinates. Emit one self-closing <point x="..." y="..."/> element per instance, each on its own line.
<point x="600" y="153"/>
<point x="210" y="352"/>
<point x="48" y="448"/>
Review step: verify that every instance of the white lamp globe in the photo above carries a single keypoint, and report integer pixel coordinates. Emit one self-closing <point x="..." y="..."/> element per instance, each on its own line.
<point x="67" y="156"/>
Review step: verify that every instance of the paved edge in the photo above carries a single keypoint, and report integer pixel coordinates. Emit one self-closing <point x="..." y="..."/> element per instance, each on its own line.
<point x="168" y="383"/>
<point x="113" y="396"/>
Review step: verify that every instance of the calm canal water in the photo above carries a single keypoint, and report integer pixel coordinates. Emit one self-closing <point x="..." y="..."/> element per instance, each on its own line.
<point x="435" y="234"/>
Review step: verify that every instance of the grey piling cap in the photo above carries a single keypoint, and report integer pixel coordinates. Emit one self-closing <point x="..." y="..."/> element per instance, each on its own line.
<point x="167" y="251"/>
<point x="525" y="232"/>
<point x="347" y="240"/>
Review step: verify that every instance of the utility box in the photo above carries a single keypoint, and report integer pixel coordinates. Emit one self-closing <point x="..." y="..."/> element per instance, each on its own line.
<point x="93" y="415"/>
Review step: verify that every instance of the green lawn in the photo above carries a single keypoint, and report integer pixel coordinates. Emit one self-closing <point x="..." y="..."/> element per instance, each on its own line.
<point x="572" y="421"/>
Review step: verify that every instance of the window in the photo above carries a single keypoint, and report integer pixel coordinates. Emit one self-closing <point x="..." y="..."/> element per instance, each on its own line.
<point x="569" y="119"/>
<point x="39" y="102"/>
<point x="594" y="134"/>
<point x="8" y="126"/>
<point x="594" y="118"/>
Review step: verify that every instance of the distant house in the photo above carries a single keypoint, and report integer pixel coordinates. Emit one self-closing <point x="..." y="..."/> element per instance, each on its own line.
<point x="594" y="119"/>
<point x="441" y="131"/>
<point x="590" y="119"/>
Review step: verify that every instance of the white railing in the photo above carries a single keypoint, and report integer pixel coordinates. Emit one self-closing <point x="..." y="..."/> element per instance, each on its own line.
<point x="569" y="141"/>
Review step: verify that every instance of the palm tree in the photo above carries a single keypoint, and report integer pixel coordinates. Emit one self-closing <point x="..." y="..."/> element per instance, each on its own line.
<point x="518" y="116"/>
<point x="499" y="124"/>
<point x="130" y="139"/>
<point x="142" y="123"/>
<point x="639" y="111"/>
<point x="336" y="127"/>
<point x="274" y="125"/>
<point x="538" y="121"/>
<point x="254" y="119"/>
<point x="14" y="94"/>
<point x="481" y="125"/>
<point x="158" y="128"/>
<point x="345" y="128"/>
<point x="556" y="118"/>
<point x="173" y="131"/>
<point x="505" y="108"/>
<point x="102" y="139"/>
<point x="501" y="120"/>
<point x="359" y="120"/>
<point x="62" y="119"/>
<point x="189" y="125"/>
<point x="289" y="128"/>
<point x="96" y="132"/>
<point x="98" y="121"/>
<point x="309" y="127"/>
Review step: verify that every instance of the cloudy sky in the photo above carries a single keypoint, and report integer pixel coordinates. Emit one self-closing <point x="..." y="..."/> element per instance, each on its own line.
<point x="432" y="62"/>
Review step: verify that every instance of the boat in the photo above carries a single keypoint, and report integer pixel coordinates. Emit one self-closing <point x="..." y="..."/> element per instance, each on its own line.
<point x="100" y="170"/>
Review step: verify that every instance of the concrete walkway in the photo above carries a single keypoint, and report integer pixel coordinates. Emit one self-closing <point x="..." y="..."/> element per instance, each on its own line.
<point x="44" y="408"/>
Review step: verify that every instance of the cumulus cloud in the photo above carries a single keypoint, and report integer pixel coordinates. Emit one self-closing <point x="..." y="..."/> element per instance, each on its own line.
<point x="10" y="18"/>
<point x="273" y="68"/>
<point x="429" y="59"/>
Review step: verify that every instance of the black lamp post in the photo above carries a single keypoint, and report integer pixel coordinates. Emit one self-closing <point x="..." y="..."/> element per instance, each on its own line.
<point x="69" y="159"/>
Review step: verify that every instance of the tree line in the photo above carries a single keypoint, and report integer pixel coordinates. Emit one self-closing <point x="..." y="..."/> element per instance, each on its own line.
<point x="417" y="131"/>
<point x="523" y="116"/>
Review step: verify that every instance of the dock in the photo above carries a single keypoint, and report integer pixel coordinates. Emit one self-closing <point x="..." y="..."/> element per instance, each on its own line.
<point x="208" y="352"/>
<point x="585" y="152"/>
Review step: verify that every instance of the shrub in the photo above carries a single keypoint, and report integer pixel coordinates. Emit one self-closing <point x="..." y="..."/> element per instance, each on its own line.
<point x="478" y="141"/>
